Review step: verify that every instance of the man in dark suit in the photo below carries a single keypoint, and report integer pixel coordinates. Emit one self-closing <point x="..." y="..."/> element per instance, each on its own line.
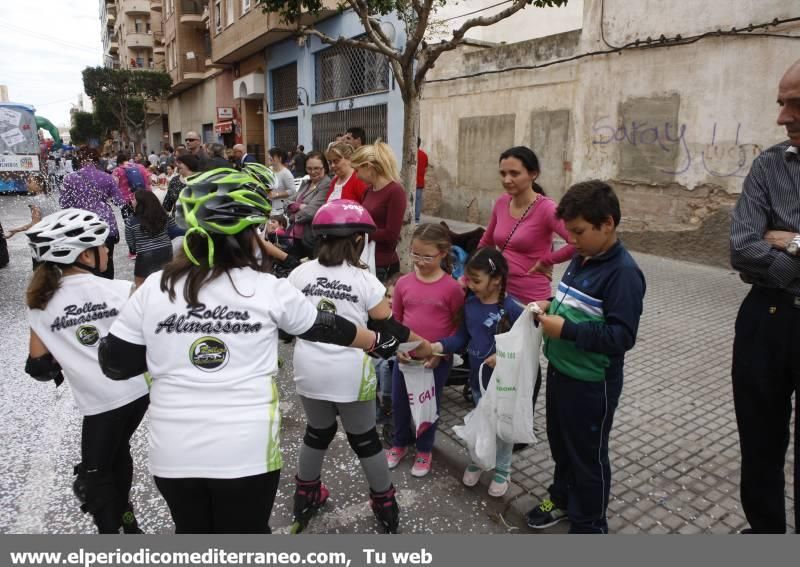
<point x="241" y="156"/>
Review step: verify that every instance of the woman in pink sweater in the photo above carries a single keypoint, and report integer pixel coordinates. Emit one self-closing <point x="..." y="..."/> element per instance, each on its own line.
<point x="522" y="226"/>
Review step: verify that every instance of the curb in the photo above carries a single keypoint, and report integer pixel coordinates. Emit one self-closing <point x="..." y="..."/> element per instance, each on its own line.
<point x="511" y="509"/>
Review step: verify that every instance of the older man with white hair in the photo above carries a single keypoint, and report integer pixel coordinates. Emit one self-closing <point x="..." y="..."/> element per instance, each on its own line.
<point x="241" y="156"/>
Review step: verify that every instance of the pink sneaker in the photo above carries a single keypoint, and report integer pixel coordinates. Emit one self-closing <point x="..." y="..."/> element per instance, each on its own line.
<point x="395" y="455"/>
<point x="422" y="466"/>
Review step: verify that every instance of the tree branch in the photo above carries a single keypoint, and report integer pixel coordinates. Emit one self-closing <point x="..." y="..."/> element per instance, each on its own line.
<point x="373" y="28"/>
<point x="431" y="54"/>
<point x="394" y="58"/>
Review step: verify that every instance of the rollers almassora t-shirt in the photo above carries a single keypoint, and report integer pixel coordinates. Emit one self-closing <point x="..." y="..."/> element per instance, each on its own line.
<point x="213" y="401"/>
<point x="76" y="318"/>
<point x="330" y="372"/>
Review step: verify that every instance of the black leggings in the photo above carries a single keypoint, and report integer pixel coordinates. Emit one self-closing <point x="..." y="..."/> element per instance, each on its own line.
<point x="220" y="505"/>
<point x="106" y="458"/>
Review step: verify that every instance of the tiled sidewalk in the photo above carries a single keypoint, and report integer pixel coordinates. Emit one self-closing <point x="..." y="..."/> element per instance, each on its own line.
<point x="674" y="445"/>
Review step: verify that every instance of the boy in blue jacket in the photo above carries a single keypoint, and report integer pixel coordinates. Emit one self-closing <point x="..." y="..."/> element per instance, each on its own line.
<point x="588" y="327"/>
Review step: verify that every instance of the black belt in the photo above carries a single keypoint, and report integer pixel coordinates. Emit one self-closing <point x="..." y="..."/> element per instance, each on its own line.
<point x="780" y="296"/>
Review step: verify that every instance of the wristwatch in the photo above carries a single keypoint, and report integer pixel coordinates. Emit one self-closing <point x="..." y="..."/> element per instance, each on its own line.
<point x="794" y="246"/>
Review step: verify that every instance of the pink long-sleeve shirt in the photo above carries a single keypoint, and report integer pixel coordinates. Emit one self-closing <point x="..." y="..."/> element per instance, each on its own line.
<point x="428" y="308"/>
<point x="532" y="242"/>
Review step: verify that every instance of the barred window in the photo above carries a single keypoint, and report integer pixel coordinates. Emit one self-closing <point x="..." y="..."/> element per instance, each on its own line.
<point x="285" y="133"/>
<point x="325" y="126"/>
<point x="284" y="87"/>
<point x="344" y="71"/>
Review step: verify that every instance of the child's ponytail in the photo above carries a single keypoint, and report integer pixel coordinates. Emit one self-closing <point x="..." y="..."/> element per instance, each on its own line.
<point x="44" y="284"/>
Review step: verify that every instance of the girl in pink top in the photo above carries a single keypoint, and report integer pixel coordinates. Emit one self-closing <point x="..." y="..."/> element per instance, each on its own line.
<point x="429" y="301"/>
<point x="522" y="226"/>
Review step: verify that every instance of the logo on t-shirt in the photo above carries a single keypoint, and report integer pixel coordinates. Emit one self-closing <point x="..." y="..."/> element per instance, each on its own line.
<point x="88" y="335"/>
<point x="209" y="354"/>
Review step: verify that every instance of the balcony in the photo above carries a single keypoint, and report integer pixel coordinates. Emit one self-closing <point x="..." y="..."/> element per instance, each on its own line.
<point x="139" y="39"/>
<point x="156" y="5"/>
<point x="135" y="7"/>
<point x="158" y="38"/>
<point x="194" y="70"/>
<point x="111" y="8"/>
<point x="159" y="50"/>
<point x="110" y="20"/>
<point x="113" y="47"/>
<point x="192" y="13"/>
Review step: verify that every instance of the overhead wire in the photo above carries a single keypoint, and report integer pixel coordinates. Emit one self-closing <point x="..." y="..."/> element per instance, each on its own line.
<point x="648" y="43"/>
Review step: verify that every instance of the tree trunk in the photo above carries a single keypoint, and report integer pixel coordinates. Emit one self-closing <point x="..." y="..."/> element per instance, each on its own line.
<point x="408" y="175"/>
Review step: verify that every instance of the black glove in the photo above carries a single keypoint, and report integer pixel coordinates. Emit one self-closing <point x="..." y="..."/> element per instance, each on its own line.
<point x="385" y="346"/>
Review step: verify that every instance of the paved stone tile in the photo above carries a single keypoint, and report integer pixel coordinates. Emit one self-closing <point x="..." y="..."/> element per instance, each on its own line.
<point x="674" y="447"/>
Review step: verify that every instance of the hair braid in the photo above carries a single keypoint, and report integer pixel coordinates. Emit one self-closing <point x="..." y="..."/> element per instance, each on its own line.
<point x="503" y="325"/>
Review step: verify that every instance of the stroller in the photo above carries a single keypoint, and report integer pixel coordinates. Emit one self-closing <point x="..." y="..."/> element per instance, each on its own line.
<point x="464" y="245"/>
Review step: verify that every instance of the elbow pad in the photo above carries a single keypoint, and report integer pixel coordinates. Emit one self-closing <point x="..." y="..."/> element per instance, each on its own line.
<point x="332" y="329"/>
<point x="44" y="368"/>
<point x="120" y="360"/>
<point x="391" y="327"/>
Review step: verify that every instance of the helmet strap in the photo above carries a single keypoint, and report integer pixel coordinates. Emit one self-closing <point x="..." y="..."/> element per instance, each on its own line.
<point x="186" y="249"/>
<point x="96" y="268"/>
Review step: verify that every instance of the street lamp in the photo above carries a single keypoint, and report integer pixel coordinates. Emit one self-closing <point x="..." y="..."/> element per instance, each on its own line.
<point x="299" y="98"/>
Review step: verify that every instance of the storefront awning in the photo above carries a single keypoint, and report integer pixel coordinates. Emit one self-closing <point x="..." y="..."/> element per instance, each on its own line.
<point x="225" y="127"/>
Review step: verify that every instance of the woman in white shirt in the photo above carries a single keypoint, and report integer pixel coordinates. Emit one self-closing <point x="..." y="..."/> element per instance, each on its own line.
<point x="283" y="190"/>
<point x="333" y="381"/>
<point x="70" y="308"/>
<point x="207" y="331"/>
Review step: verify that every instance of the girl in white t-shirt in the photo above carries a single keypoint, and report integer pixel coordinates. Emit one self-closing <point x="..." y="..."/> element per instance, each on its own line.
<point x="206" y="328"/>
<point x="333" y="381"/>
<point x="70" y="308"/>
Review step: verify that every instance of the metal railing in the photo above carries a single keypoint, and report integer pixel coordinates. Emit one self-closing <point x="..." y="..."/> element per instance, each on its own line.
<point x="284" y="87"/>
<point x="192" y="7"/>
<point x="325" y="126"/>
<point x="344" y="71"/>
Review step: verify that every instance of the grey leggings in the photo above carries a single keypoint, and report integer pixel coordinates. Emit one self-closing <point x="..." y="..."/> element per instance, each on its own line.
<point x="357" y="418"/>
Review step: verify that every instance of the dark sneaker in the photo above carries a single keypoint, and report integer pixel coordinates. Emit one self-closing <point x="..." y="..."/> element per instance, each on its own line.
<point x="545" y="515"/>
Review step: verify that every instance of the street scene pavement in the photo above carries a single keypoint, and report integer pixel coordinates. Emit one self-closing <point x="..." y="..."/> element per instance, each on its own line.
<point x="674" y="445"/>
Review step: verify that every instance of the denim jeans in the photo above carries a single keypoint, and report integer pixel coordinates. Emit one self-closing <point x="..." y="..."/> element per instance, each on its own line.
<point x="418" y="204"/>
<point x="504" y="449"/>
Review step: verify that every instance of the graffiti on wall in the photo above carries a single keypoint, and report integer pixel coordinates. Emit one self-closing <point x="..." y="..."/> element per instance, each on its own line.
<point x="723" y="155"/>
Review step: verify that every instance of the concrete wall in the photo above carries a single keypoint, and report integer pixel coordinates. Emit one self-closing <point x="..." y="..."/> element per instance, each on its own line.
<point x="192" y="108"/>
<point x="674" y="129"/>
<point x="528" y="23"/>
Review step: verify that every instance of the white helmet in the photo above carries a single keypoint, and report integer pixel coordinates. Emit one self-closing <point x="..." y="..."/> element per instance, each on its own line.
<point x="62" y="236"/>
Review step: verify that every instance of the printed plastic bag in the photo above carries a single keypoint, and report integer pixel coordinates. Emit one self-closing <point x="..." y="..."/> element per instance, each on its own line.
<point x="421" y="390"/>
<point x="479" y="431"/>
<point x="514" y="376"/>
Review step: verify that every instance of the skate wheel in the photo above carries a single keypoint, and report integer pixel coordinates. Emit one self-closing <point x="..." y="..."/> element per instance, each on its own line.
<point x="296" y="528"/>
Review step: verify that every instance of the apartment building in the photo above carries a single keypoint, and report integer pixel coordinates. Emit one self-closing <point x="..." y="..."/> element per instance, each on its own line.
<point x="129" y="31"/>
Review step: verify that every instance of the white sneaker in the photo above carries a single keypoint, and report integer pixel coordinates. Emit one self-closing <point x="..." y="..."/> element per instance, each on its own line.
<point x="499" y="485"/>
<point x="472" y="475"/>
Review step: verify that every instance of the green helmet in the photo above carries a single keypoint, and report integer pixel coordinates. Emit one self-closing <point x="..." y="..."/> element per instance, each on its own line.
<point x="220" y="201"/>
<point x="260" y="172"/>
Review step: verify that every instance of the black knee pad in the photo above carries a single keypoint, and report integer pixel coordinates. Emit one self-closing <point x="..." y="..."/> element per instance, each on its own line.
<point x="319" y="438"/>
<point x="365" y="444"/>
<point x="95" y="489"/>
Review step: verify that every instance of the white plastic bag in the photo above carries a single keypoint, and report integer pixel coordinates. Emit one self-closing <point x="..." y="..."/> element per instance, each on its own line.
<point x="479" y="431"/>
<point x="514" y="376"/>
<point x="368" y="255"/>
<point x="421" y="389"/>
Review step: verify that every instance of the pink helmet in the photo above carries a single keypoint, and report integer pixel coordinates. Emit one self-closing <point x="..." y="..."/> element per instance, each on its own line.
<point x="342" y="217"/>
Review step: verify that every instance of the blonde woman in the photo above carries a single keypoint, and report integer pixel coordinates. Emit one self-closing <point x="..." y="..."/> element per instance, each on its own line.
<point x="385" y="200"/>
<point x="345" y="184"/>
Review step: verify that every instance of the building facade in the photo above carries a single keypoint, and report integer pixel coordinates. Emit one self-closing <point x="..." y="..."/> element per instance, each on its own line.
<point x="673" y="124"/>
